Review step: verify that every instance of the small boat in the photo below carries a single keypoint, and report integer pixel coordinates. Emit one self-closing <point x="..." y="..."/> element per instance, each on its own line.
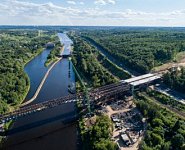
<point x="71" y="88"/>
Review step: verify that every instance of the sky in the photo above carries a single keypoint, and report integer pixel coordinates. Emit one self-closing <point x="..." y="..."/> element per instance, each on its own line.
<point x="93" y="12"/>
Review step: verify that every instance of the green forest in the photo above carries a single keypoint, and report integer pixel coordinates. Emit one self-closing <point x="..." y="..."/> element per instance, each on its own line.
<point x="96" y="70"/>
<point x="139" y="50"/>
<point x="54" y="53"/>
<point x="165" y="130"/>
<point x="98" y="136"/>
<point x="166" y="100"/>
<point x="87" y="64"/>
<point x="176" y="79"/>
<point x="17" y="47"/>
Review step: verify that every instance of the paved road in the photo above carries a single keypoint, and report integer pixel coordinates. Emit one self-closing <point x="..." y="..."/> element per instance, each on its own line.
<point x="169" y="92"/>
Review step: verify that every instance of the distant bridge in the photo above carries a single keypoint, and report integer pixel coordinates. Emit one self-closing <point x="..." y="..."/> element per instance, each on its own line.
<point x="95" y="95"/>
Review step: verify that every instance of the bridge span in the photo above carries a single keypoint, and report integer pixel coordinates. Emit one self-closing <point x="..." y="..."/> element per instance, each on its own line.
<point x="95" y="95"/>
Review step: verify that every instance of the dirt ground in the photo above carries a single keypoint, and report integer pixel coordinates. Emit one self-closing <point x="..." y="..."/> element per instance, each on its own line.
<point x="116" y="132"/>
<point x="180" y="58"/>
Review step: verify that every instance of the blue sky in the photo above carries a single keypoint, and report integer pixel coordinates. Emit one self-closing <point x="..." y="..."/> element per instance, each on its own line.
<point x="93" y="12"/>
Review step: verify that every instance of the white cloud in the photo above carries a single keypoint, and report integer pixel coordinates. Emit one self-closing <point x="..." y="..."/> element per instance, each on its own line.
<point x="19" y="12"/>
<point x="104" y="2"/>
<point x="81" y="3"/>
<point x="71" y="2"/>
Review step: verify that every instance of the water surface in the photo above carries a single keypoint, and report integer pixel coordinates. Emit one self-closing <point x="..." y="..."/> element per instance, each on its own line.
<point x="51" y="128"/>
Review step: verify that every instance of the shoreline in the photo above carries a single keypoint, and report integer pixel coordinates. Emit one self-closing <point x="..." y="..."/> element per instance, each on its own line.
<point x="13" y="107"/>
<point x="26" y="92"/>
<point x="41" y="84"/>
<point x="28" y="88"/>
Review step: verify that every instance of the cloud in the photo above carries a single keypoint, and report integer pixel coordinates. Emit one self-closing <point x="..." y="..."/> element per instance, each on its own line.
<point x="81" y="3"/>
<point x="26" y="13"/>
<point x="71" y="2"/>
<point x="104" y="2"/>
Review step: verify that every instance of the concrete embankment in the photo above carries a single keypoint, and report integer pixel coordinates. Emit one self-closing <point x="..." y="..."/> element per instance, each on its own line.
<point x="41" y="84"/>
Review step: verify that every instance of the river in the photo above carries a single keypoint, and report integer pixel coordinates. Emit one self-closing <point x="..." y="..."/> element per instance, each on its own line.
<point x="53" y="128"/>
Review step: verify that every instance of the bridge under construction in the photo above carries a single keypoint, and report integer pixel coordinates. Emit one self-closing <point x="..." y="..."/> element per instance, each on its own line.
<point x="95" y="95"/>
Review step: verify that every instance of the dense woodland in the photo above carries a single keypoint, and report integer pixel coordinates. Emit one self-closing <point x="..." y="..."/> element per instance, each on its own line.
<point x="165" y="131"/>
<point x="98" y="135"/>
<point x="17" y="47"/>
<point x="85" y="60"/>
<point x="91" y="68"/>
<point x="176" y="79"/>
<point x="166" y="100"/>
<point x="113" y="68"/>
<point x="140" y="50"/>
<point x="54" y="53"/>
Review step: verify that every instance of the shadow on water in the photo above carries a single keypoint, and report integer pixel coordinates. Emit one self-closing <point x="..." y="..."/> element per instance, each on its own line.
<point x="65" y="118"/>
<point x="45" y="130"/>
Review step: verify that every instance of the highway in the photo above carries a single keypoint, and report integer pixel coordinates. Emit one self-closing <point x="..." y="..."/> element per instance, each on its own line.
<point x="169" y="92"/>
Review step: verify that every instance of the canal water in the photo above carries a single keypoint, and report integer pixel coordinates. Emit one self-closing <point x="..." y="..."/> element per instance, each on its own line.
<point x="53" y="128"/>
<point x="111" y="58"/>
<point x="36" y="70"/>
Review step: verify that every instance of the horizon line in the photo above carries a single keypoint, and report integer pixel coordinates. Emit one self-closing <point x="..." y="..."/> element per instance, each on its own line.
<point x="97" y="26"/>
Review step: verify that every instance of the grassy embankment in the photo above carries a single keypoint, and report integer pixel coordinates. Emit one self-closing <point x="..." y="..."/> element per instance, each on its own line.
<point x="107" y="63"/>
<point x="113" y="68"/>
<point x="179" y="60"/>
<point x="166" y="100"/>
<point x="53" y="56"/>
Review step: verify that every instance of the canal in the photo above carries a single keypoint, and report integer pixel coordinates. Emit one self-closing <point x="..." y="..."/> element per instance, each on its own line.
<point x="111" y="58"/>
<point x="54" y="128"/>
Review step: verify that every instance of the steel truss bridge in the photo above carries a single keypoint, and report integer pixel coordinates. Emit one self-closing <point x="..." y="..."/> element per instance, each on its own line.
<point x="95" y="96"/>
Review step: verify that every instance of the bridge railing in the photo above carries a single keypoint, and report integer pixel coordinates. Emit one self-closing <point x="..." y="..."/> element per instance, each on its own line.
<point x="94" y="94"/>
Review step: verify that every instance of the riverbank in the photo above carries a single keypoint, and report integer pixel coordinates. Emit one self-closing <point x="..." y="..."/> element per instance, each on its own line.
<point x="54" y="54"/>
<point x="41" y="84"/>
<point x="33" y="128"/>
<point x="13" y="107"/>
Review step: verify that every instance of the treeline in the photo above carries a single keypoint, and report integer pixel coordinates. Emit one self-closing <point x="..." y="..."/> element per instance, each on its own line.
<point x="139" y="50"/>
<point x="165" y="131"/>
<point x="17" y="47"/>
<point x="85" y="60"/>
<point x="166" y="100"/>
<point x="114" y="69"/>
<point x="175" y="79"/>
<point x="54" y="53"/>
<point x="107" y="63"/>
<point x="98" y="135"/>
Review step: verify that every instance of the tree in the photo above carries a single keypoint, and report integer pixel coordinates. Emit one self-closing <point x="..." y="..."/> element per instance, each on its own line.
<point x="176" y="126"/>
<point x="105" y="145"/>
<point x="183" y="147"/>
<point x="156" y="139"/>
<point x="96" y="81"/>
<point x="177" y="141"/>
<point x="157" y="122"/>
<point x="166" y="146"/>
